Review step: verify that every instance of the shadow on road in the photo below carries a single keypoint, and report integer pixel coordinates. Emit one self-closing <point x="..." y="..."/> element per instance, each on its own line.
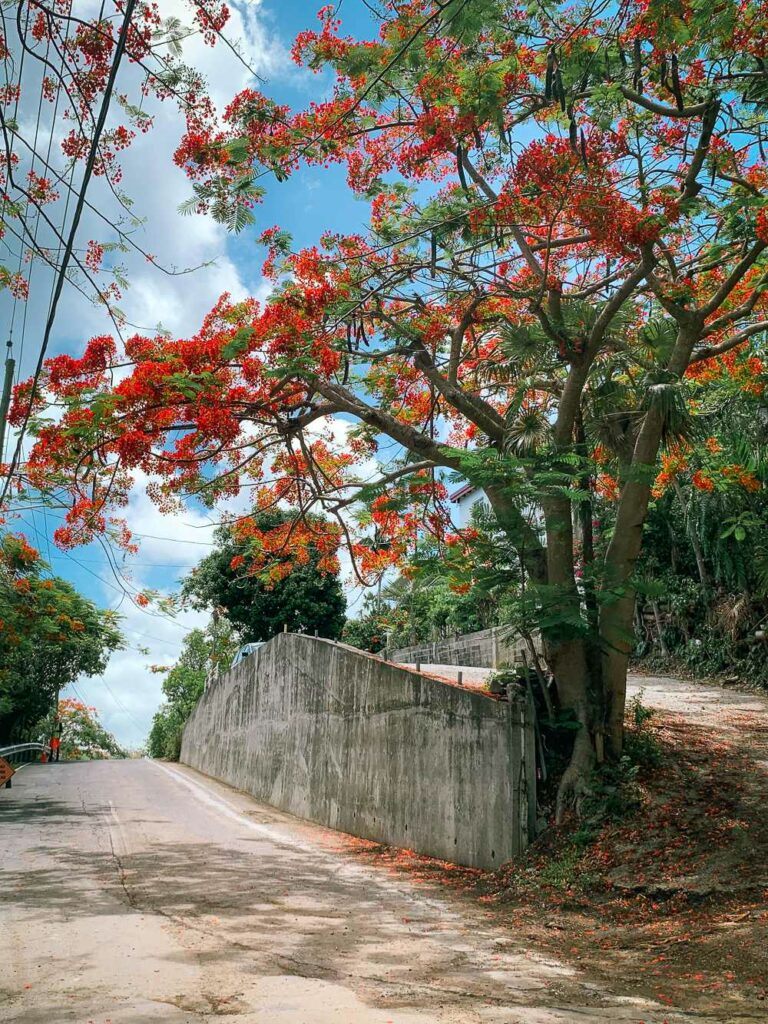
<point x="280" y="911"/>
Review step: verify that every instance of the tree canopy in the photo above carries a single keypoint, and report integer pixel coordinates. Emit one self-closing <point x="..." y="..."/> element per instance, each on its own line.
<point x="566" y="255"/>
<point x="49" y="636"/>
<point x="300" y="596"/>
<point x="81" y="732"/>
<point x="203" y="651"/>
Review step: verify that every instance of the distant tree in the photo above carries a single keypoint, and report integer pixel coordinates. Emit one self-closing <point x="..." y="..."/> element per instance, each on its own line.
<point x="369" y="630"/>
<point x="203" y="651"/>
<point x="704" y="565"/>
<point x="446" y="589"/>
<point x="306" y="596"/>
<point x="49" y="636"/>
<point x="82" y="734"/>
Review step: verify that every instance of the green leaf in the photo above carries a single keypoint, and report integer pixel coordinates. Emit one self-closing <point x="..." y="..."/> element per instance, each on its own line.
<point x="238" y="343"/>
<point x="237" y="150"/>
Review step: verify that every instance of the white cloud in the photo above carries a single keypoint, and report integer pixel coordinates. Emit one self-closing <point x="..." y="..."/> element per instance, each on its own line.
<point x="128" y="694"/>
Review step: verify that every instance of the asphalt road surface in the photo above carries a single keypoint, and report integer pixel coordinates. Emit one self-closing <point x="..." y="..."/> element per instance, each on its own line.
<point x="133" y="891"/>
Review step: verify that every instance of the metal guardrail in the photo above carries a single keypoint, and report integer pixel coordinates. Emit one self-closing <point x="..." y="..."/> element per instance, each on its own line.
<point x="23" y="753"/>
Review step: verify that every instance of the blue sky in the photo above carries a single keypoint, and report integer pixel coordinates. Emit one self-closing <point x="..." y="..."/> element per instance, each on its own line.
<point x="312" y="201"/>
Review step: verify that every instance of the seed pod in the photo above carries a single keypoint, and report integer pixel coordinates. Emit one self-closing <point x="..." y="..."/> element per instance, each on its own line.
<point x="637" y="56"/>
<point x="676" y="83"/>
<point x="559" y="90"/>
<point x="550" y="75"/>
<point x="460" y="167"/>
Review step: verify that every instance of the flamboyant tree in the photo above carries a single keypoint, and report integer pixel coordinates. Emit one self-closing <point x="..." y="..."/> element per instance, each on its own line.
<point x="50" y="635"/>
<point x="80" y="730"/>
<point x="568" y="229"/>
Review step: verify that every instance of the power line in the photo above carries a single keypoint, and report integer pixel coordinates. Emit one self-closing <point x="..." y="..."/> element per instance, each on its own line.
<point x="120" y="704"/>
<point x="31" y="172"/>
<point x="143" y="536"/>
<point x="62" y="272"/>
<point x="123" y="591"/>
<point x="78" y="694"/>
<point x="177" y="540"/>
<point x="143" y="565"/>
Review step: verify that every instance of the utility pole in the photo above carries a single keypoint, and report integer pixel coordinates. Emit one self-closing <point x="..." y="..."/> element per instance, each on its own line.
<point x="5" y="401"/>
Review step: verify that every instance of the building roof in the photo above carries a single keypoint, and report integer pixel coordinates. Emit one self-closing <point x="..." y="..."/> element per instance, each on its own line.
<point x="462" y="492"/>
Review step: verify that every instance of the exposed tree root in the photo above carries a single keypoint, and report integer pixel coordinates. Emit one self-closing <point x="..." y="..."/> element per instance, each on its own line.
<point x="574" y="785"/>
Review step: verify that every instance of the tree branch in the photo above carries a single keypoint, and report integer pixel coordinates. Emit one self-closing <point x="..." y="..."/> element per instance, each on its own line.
<point x="662" y="109"/>
<point x="725" y="346"/>
<point x="733" y="279"/>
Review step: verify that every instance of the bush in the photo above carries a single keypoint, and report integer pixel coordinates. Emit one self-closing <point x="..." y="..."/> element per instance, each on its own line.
<point x="165" y="735"/>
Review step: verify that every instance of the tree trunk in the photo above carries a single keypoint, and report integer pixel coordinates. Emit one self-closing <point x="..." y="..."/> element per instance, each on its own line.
<point x="659" y="628"/>
<point x="618" y="604"/>
<point x="551" y="569"/>
<point x="568" y="662"/>
<point x="618" y="607"/>
<point x="567" y="650"/>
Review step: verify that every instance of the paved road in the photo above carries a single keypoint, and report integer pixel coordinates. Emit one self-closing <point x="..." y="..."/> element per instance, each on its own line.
<point x="133" y="892"/>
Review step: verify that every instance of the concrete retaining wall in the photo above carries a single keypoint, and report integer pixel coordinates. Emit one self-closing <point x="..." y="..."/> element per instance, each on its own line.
<point x="348" y="740"/>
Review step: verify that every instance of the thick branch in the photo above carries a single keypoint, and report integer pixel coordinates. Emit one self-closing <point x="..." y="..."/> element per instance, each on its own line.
<point x="725" y="346"/>
<point x="691" y="187"/>
<point x="733" y="279"/>
<point x="410" y="438"/>
<point x="510" y="518"/>
<point x="382" y="481"/>
<point x="457" y="338"/>
<point x="475" y="409"/>
<point x="661" y="108"/>
<point x="612" y="307"/>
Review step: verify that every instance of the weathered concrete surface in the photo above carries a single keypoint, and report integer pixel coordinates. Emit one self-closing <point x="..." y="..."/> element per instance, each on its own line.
<point x="347" y="740"/>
